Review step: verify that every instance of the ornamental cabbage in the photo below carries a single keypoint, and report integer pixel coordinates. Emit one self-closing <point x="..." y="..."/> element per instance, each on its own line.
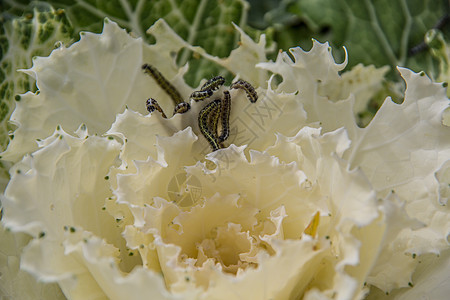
<point x="300" y="203"/>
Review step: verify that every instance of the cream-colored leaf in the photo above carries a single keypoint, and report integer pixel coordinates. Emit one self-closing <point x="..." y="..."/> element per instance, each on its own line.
<point x="315" y="76"/>
<point x="82" y="84"/>
<point x="66" y="190"/>
<point x="401" y="150"/>
<point x="66" y="186"/>
<point x="443" y="177"/>
<point x="429" y="281"/>
<point x="305" y="70"/>
<point x="361" y="81"/>
<point x="16" y="283"/>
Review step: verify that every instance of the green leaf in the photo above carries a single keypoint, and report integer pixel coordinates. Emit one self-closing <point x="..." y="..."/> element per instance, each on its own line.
<point x="265" y="13"/>
<point x="378" y="32"/>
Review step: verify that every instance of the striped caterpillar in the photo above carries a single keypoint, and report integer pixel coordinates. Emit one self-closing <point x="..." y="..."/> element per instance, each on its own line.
<point x="214" y="113"/>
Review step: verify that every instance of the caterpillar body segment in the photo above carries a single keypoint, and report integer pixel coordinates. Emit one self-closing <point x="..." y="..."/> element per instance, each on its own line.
<point x="163" y="83"/>
<point x="204" y="125"/>
<point x="201" y="95"/>
<point x="247" y="87"/>
<point x="225" y="116"/>
<point x="213" y="84"/>
<point x="153" y="105"/>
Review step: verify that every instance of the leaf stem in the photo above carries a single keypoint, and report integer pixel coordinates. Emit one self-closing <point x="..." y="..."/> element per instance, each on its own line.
<point x="405" y="33"/>
<point x="379" y="33"/>
<point x="133" y="17"/>
<point x="193" y="30"/>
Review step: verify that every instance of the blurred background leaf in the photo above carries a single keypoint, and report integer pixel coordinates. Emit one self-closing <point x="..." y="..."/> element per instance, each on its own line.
<point x="378" y="32"/>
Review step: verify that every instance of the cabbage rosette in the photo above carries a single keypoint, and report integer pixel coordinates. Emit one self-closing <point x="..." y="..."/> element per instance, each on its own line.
<point x="300" y="203"/>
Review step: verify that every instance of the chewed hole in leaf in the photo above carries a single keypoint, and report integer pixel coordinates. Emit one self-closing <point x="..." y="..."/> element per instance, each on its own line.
<point x="277" y="79"/>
